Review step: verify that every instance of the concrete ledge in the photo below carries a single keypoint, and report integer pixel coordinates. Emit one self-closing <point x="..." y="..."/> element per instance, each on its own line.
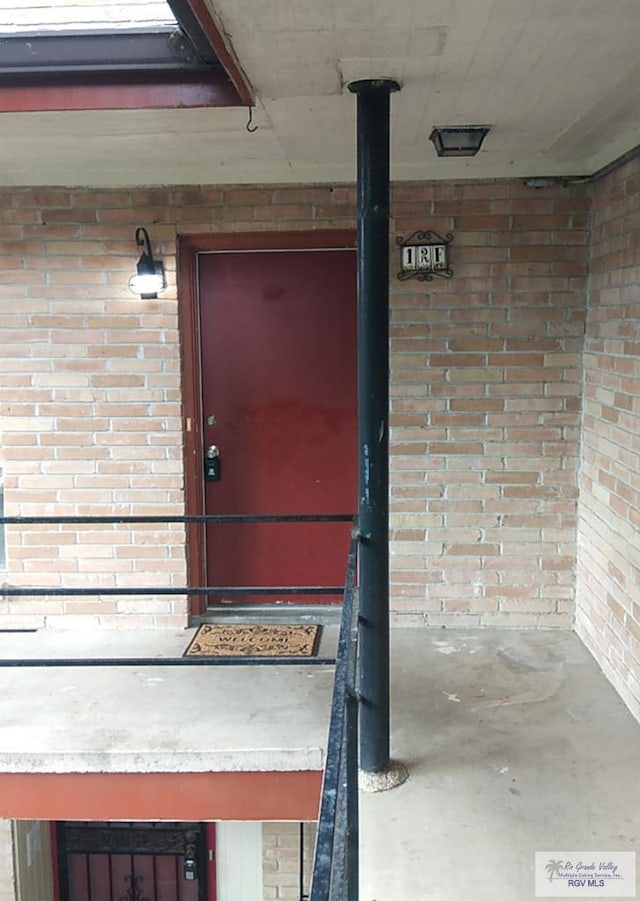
<point x="156" y="719"/>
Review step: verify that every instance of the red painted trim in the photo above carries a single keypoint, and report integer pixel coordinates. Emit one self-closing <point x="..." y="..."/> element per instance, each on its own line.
<point x="224" y="53"/>
<point x="334" y="239"/>
<point x="139" y="90"/>
<point x="177" y="92"/>
<point x="184" y="797"/>
<point x="55" y="861"/>
<point x="189" y="246"/>
<point x="189" y="326"/>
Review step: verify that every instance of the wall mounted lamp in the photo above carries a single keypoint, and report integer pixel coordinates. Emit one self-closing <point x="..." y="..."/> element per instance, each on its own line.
<point x="149" y="278"/>
<point x="458" y="140"/>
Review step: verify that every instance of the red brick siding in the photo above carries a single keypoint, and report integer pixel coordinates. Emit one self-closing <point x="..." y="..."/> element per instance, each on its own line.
<point x="485" y="383"/>
<point x="608" y="595"/>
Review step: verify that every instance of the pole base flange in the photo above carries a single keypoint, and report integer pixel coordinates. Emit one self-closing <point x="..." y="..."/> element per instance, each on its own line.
<point x="395" y="774"/>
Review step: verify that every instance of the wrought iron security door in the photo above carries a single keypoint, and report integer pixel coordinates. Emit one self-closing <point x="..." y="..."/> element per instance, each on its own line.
<point x="132" y="861"/>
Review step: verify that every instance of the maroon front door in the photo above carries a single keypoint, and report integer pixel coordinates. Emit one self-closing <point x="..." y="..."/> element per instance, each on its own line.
<point x="278" y="338"/>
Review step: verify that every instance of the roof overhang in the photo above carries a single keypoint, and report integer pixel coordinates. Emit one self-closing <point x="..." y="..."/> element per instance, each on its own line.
<point x="558" y="85"/>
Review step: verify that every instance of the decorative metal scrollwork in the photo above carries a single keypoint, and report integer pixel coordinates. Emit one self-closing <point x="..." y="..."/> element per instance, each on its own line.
<point x="425" y="256"/>
<point x="134" y="892"/>
<point x="123" y="840"/>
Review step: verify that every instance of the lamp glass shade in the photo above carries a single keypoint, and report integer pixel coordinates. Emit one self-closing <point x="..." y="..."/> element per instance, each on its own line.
<point x="458" y="140"/>
<point x="149" y="279"/>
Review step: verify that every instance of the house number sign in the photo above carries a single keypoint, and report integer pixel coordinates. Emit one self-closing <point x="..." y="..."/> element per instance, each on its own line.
<point x="424" y="255"/>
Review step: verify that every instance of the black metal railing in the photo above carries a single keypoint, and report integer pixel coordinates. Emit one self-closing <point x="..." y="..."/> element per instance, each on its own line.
<point x="335" y="864"/>
<point x="11" y="591"/>
<point x="335" y="867"/>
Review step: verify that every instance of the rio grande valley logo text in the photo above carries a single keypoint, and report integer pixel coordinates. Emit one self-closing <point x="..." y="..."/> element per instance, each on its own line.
<point x="581" y="874"/>
<point x="585" y="874"/>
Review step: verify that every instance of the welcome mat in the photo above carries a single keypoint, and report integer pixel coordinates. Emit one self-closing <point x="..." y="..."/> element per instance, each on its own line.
<point x="242" y="640"/>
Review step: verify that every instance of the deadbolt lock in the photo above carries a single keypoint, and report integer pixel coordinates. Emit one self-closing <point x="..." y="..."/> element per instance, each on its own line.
<point x="212" y="467"/>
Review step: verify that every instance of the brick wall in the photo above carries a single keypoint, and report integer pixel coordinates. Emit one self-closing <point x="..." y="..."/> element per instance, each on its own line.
<point x="485" y="383"/>
<point x="91" y="409"/>
<point x="281" y="860"/>
<point x="608" y="584"/>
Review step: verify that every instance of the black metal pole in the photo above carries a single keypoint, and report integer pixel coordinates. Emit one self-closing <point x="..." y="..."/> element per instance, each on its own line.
<point x="373" y="415"/>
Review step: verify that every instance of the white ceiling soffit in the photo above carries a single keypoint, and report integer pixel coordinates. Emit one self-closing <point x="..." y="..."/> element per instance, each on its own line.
<point x="556" y="79"/>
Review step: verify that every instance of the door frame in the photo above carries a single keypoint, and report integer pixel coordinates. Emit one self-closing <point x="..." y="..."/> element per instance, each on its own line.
<point x="188" y="249"/>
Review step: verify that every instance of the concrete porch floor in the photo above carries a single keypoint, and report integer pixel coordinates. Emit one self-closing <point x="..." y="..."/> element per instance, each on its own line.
<point x="514" y="741"/>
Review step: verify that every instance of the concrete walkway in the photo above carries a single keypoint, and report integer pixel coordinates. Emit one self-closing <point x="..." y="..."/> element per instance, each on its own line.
<point x="515" y="743"/>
